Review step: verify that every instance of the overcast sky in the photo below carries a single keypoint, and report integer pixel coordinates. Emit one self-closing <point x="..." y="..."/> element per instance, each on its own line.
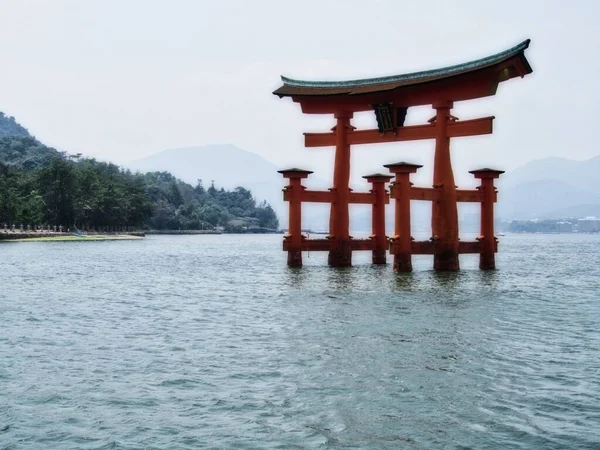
<point x="122" y="79"/>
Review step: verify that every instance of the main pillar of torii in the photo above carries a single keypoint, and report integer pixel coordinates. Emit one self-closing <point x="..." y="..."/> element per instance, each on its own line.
<point x="389" y="98"/>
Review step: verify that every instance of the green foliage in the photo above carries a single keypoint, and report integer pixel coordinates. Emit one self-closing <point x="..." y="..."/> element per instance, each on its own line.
<point x="74" y="194"/>
<point x="26" y="152"/>
<point x="39" y="185"/>
<point x="19" y="149"/>
<point x="10" y="127"/>
<point x="180" y="206"/>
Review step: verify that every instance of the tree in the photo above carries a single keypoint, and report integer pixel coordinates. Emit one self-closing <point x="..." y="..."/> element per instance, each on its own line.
<point x="32" y="208"/>
<point x="57" y="184"/>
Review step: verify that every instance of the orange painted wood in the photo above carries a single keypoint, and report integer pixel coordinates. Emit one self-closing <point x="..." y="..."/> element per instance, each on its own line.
<point x="429" y="247"/>
<point x="469" y="196"/>
<point x="462" y="195"/>
<point x="402" y="234"/>
<point x="363" y="198"/>
<point x="363" y="244"/>
<point x="316" y="245"/>
<point x="310" y="196"/>
<point x="483" y="83"/>
<point x="378" y="235"/>
<point x="294" y="190"/>
<point x="311" y="245"/>
<point x="444" y="218"/>
<point x="318" y="196"/>
<point x="341" y="180"/>
<point x="469" y="247"/>
<point x="488" y="241"/>
<point x="416" y="248"/>
<point x="340" y="254"/>
<point x="423" y="248"/>
<point x="427" y="194"/>
<point x="474" y="127"/>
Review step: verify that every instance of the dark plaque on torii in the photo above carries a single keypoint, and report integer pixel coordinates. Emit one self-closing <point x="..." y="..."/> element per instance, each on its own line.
<point x="389" y="118"/>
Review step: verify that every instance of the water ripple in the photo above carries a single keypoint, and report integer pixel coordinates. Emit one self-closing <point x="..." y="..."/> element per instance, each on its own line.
<point x="212" y="342"/>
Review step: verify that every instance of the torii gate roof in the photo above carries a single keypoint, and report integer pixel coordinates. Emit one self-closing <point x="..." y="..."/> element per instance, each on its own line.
<point x="408" y="89"/>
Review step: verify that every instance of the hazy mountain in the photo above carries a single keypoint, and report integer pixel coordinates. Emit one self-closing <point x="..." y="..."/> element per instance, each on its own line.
<point x="579" y="174"/>
<point x="550" y="188"/>
<point x="545" y="199"/>
<point x="546" y="188"/>
<point x="229" y="167"/>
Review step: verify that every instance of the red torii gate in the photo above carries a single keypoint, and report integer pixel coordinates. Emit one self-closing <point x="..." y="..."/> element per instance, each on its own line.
<point x="390" y="97"/>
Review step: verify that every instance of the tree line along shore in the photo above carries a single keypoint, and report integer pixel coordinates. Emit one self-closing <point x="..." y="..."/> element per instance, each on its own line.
<point x="43" y="188"/>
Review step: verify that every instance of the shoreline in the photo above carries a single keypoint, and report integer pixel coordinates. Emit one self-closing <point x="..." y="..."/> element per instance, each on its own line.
<point x="183" y="232"/>
<point x="68" y="237"/>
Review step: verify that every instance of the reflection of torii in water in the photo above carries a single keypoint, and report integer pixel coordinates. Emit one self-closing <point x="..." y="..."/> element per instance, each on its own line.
<point x="389" y="98"/>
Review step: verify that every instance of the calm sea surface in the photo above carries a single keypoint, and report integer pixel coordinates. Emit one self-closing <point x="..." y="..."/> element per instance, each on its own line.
<point x="212" y="342"/>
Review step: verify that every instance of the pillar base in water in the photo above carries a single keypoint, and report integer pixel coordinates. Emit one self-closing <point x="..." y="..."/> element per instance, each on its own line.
<point x="487" y="262"/>
<point x="379" y="256"/>
<point x="446" y="261"/>
<point x="402" y="263"/>
<point x="294" y="258"/>
<point x="341" y="254"/>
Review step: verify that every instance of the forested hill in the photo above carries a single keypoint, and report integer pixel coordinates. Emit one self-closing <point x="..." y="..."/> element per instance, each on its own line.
<point x="10" y="127"/>
<point x="21" y="150"/>
<point x="42" y="186"/>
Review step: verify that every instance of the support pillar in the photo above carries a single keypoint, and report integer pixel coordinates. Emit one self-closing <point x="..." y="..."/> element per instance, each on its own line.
<point x="401" y="242"/>
<point x="444" y="220"/>
<point x="341" y="250"/>
<point x="294" y="237"/>
<point x="487" y="257"/>
<point x="378" y="181"/>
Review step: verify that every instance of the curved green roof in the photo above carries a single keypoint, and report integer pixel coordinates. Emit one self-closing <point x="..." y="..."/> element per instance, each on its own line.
<point x="435" y="73"/>
<point x="304" y="88"/>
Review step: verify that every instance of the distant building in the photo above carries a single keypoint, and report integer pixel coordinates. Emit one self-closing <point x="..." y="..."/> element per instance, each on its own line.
<point x="588" y="225"/>
<point x="564" y="227"/>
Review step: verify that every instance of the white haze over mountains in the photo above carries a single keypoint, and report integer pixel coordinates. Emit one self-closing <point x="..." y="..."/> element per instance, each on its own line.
<point x="547" y="188"/>
<point x="551" y="188"/>
<point x="228" y="166"/>
<point x="121" y="80"/>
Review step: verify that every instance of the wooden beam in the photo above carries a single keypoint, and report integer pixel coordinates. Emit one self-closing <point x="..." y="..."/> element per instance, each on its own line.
<point x="427" y="194"/>
<point x="312" y="245"/>
<point x="309" y="196"/>
<point x="423" y="248"/>
<point x="361" y="198"/>
<point x="317" y="196"/>
<point x="362" y="244"/>
<point x="462" y="195"/>
<point x="428" y="247"/>
<point x="473" y="127"/>
<point x="325" y="245"/>
<point x="412" y="133"/>
<point x="469" y="196"/>
<point x="469" y="247"/>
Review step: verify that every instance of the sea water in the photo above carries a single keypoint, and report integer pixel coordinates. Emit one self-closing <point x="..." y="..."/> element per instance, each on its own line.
<point x="187" y="342"/>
